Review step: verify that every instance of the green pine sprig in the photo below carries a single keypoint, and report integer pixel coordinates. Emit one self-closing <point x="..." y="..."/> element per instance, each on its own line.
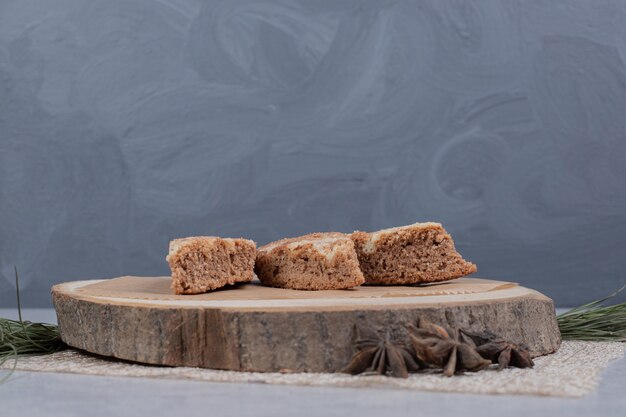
<point x="595" y="321"/>
<point x="20" y="337"/>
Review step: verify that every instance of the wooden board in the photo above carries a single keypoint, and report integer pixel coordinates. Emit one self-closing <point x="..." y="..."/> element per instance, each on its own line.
<point x="255" y="328"/>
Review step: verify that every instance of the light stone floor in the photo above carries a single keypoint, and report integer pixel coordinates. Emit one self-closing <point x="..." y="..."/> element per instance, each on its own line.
<point x="49" y="394"/>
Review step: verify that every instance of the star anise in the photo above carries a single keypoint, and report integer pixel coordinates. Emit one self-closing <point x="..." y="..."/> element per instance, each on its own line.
<point x="445" y="348"/>
<point x="376" y="354"/>
<point x="500" y="351"/>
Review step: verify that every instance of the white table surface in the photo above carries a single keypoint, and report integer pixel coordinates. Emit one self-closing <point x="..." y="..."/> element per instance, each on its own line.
<point x="50" y="394"/>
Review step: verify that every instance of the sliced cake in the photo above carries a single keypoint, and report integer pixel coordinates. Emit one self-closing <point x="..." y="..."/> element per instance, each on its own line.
<point x="421" y="252"/>
<point x="204" y="263"/>
<point x="319" y="261"/>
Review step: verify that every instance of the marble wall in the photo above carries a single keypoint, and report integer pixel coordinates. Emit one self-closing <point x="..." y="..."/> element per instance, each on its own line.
<point x="125" y="123"/>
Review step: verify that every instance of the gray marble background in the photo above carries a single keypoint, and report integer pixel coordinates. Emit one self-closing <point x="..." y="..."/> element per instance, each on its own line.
<point x="126" y="123"/>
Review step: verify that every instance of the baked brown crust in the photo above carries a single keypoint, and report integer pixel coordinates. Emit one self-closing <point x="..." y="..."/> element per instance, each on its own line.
<point x="418" y="253"/>
<point x="204" y="263"/>
<point x="318" y="261"/>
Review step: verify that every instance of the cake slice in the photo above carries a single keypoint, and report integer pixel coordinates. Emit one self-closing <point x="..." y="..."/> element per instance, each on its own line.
<point x="421" y="252"/>
<point x="203" y="263"/>
<point x="319" y="261"/>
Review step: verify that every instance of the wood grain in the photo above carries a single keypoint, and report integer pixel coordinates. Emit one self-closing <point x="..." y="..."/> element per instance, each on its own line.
<point x="245" y="330"/>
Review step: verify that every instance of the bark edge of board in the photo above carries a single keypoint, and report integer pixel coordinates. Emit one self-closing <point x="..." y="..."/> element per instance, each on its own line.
<point x="280" y="340"/>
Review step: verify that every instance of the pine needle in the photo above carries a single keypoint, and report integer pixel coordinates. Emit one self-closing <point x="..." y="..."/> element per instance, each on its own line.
<point x="17" y="290"/>
<point x="595" y="321"/>
<point x="19" y="337"/>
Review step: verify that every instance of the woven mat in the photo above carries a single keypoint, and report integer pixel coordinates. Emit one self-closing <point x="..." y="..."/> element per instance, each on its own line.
<point x="571" y="372"/>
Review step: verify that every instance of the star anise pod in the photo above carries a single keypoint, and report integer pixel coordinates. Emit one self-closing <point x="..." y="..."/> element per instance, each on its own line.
<point x="444" y="348"/>
<point x="500" y="351"/>
<point x="379" y="355"/>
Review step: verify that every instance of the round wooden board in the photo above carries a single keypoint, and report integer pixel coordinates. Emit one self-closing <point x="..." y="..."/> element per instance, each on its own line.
<point x="255" y="328"/>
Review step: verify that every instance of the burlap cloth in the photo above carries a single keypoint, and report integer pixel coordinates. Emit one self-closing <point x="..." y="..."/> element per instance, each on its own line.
<point x="573" y="371"/>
